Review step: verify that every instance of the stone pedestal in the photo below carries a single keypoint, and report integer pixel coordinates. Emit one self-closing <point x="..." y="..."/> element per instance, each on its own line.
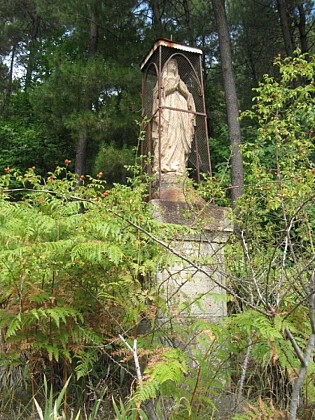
<point x="190" y="291"/>
<point x="191" y="286"/>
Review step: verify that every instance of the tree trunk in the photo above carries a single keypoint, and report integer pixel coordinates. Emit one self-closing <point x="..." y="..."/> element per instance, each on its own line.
<point x="10" y="83"/>
<point x="93" y="41"/>
<point x="306" y="357"/>
<point x="32" y="51"/>
<point x="237" y="174"/>
<point x="157" y="9"/>
<point x="156" y="14"/>
<point x="301" y="24"/>
<point x="286" y="27"/>
<point x="190" y="31"/>
<point x="80" y="157"/>
<point x="82" y="145"/>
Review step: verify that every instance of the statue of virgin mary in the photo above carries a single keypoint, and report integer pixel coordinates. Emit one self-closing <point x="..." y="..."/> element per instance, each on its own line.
<point x="172" y="130"/>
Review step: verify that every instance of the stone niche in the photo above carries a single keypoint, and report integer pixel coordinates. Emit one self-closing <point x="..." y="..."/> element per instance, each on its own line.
<point x="174" y="113"/>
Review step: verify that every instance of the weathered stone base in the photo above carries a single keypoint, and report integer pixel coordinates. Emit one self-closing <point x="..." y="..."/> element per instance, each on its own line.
<point x="191" y="287"/>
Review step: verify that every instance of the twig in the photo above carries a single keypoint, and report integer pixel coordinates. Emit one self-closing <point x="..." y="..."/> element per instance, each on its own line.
<point x="135" y="357"/>
<point x="261" y="298"/>
<point x="244" y="370"/>
<point x="296" y="347"/>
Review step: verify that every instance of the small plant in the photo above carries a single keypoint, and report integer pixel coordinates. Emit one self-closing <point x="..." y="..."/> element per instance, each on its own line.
<point x="261" y="411"/>
<point x="52" y="408"/>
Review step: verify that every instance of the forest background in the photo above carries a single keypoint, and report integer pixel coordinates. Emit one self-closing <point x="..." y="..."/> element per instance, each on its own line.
<point x="76" y="257"/>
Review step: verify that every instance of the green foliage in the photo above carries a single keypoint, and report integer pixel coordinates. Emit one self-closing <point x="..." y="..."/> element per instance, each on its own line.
<point x="52" y="408"/>
<point x="112" y="161"/>
<point x="270" y="264"/>
<point x="26" y="144"/>
<point x="280" y="161"/>
<point x="164" y="368"/>
<point x="67" y="81"/>
<point x="215" y="189"/>
<point x="125" y="413"/>
<point x="71" y="263"/>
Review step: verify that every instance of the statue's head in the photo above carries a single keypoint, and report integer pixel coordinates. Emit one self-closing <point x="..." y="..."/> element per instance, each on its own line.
<point x="171" y="67"/>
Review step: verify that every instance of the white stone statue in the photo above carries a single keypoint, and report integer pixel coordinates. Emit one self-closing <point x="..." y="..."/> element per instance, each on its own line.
<point x="177" y="126"/>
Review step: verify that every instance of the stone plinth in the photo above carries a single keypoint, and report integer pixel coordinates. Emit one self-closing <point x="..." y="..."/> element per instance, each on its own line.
<point x="191" y="286"/>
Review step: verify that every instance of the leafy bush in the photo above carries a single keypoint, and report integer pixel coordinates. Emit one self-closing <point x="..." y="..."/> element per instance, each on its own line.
<point x="72" y="263"/>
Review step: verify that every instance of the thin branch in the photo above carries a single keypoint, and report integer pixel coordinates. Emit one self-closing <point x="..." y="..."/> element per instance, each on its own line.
<point x="302" y="373"/>
<point x="309" y="293"/>
<point x="311" y="301"/>
<point x="135" y="358"/>
<point x="296" y="347"/>
<point x="261" y="298"/>
<point x="244" y="370"/>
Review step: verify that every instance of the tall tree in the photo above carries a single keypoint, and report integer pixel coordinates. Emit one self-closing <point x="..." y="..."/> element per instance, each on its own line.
<point x="286" y="21"/>
<point x="296" y="20"/>
<point x="257" y="39"/>
<point x="237" y="172"/>
<point x="301" y="23"/>
<point x="81" y="149"/>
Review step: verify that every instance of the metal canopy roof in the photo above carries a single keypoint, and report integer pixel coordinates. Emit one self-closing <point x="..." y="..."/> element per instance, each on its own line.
<point x="169" y="44"/>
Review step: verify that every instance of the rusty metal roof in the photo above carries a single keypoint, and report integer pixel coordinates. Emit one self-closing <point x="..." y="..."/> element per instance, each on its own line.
<point x="169" y="44"/>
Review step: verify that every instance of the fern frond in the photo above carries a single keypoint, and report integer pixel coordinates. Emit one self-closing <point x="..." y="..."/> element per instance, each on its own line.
<point x="97" y="252"/>
<point x="86" y="361"/>
<point x="166" y="367"/>
<point x="14" y="326"/>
